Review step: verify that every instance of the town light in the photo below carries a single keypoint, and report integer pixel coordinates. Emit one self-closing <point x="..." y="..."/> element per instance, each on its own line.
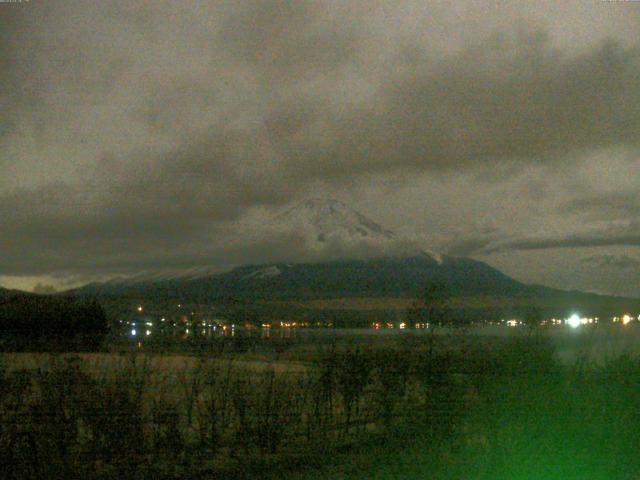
<point x="574" y="321"/>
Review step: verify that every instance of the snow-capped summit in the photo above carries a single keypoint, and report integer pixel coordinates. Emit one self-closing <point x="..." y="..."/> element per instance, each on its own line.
<point x="328" y="219"/>
<point x="331" y="229"/>
<point x="264" y="272"/>
<point x="315" y="230"/>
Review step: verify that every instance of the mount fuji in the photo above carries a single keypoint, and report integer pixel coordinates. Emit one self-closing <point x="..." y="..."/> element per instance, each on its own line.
<point x="331" y="230"/>
<point x="315" y="230"/>
<point x="327" y="218"/>
<point x="330" y="252"/>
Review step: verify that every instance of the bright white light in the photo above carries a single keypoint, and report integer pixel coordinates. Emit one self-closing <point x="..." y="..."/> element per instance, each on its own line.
<point x="574" y="321"/>
<point x="133" y="332"/>
<point x="140" y="308"/>
<point x="148" y="332"/>
<point x="626" y="319"/>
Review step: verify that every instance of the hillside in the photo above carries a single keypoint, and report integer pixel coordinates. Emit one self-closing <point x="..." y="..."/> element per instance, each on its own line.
<point x="7" y="293"/>
<point x="355" y="265"/>
<point x="388" y="283"/>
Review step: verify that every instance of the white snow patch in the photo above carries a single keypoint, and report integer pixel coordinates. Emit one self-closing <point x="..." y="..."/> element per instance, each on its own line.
<point x="271" y="271"/>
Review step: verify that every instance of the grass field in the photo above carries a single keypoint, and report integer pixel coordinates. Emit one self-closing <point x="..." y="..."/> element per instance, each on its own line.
<point x="464" y="407"/>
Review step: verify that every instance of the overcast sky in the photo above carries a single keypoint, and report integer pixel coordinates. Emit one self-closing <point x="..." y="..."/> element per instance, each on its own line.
<point x="137" y="135"/>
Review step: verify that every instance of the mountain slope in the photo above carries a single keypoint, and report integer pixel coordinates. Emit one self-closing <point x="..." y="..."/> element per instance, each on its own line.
<point x="390" y="283"/>
<point x="6" y="293"/>
<point x="313" y="231"/>
<point x="327" y="218"/>
<point x="365" y="261"/>
<point x="376" y="277"/>
<point x="330" y="230"/>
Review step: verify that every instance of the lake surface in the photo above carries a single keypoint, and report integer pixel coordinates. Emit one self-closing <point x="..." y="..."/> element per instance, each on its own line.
<point x="595" y="342"/>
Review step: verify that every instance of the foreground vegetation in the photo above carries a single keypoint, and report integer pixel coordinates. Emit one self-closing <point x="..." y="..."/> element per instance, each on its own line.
<point x="45" y="323"/>
<point x="462" y="408"/>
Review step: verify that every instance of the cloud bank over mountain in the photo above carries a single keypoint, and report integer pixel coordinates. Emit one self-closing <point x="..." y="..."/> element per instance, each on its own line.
<point x="139" y="134"/>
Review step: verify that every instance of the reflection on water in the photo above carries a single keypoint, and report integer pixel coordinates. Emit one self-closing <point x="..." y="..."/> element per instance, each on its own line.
<point x="595" y="342"/>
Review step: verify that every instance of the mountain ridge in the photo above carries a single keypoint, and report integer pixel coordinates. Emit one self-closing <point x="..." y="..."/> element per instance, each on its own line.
<point x="477" y="290"/>
<point x="385" y="272"/>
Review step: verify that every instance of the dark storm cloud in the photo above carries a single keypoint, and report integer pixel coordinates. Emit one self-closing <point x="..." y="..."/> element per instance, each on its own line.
<point x="610" y="206"/>
<point x="509" y="99"/>
<point x="616" y="262"/>
<point x="468" y="245"/>
<point x="628" y="235"/>
<point x="159" y="215"/>
<point x="287" y="38"/>
<point x="11" y="92"/>
<point x="187" y="116"/>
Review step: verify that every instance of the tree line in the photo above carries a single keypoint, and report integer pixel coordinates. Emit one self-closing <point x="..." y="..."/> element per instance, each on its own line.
<point x="51" y="322"/>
